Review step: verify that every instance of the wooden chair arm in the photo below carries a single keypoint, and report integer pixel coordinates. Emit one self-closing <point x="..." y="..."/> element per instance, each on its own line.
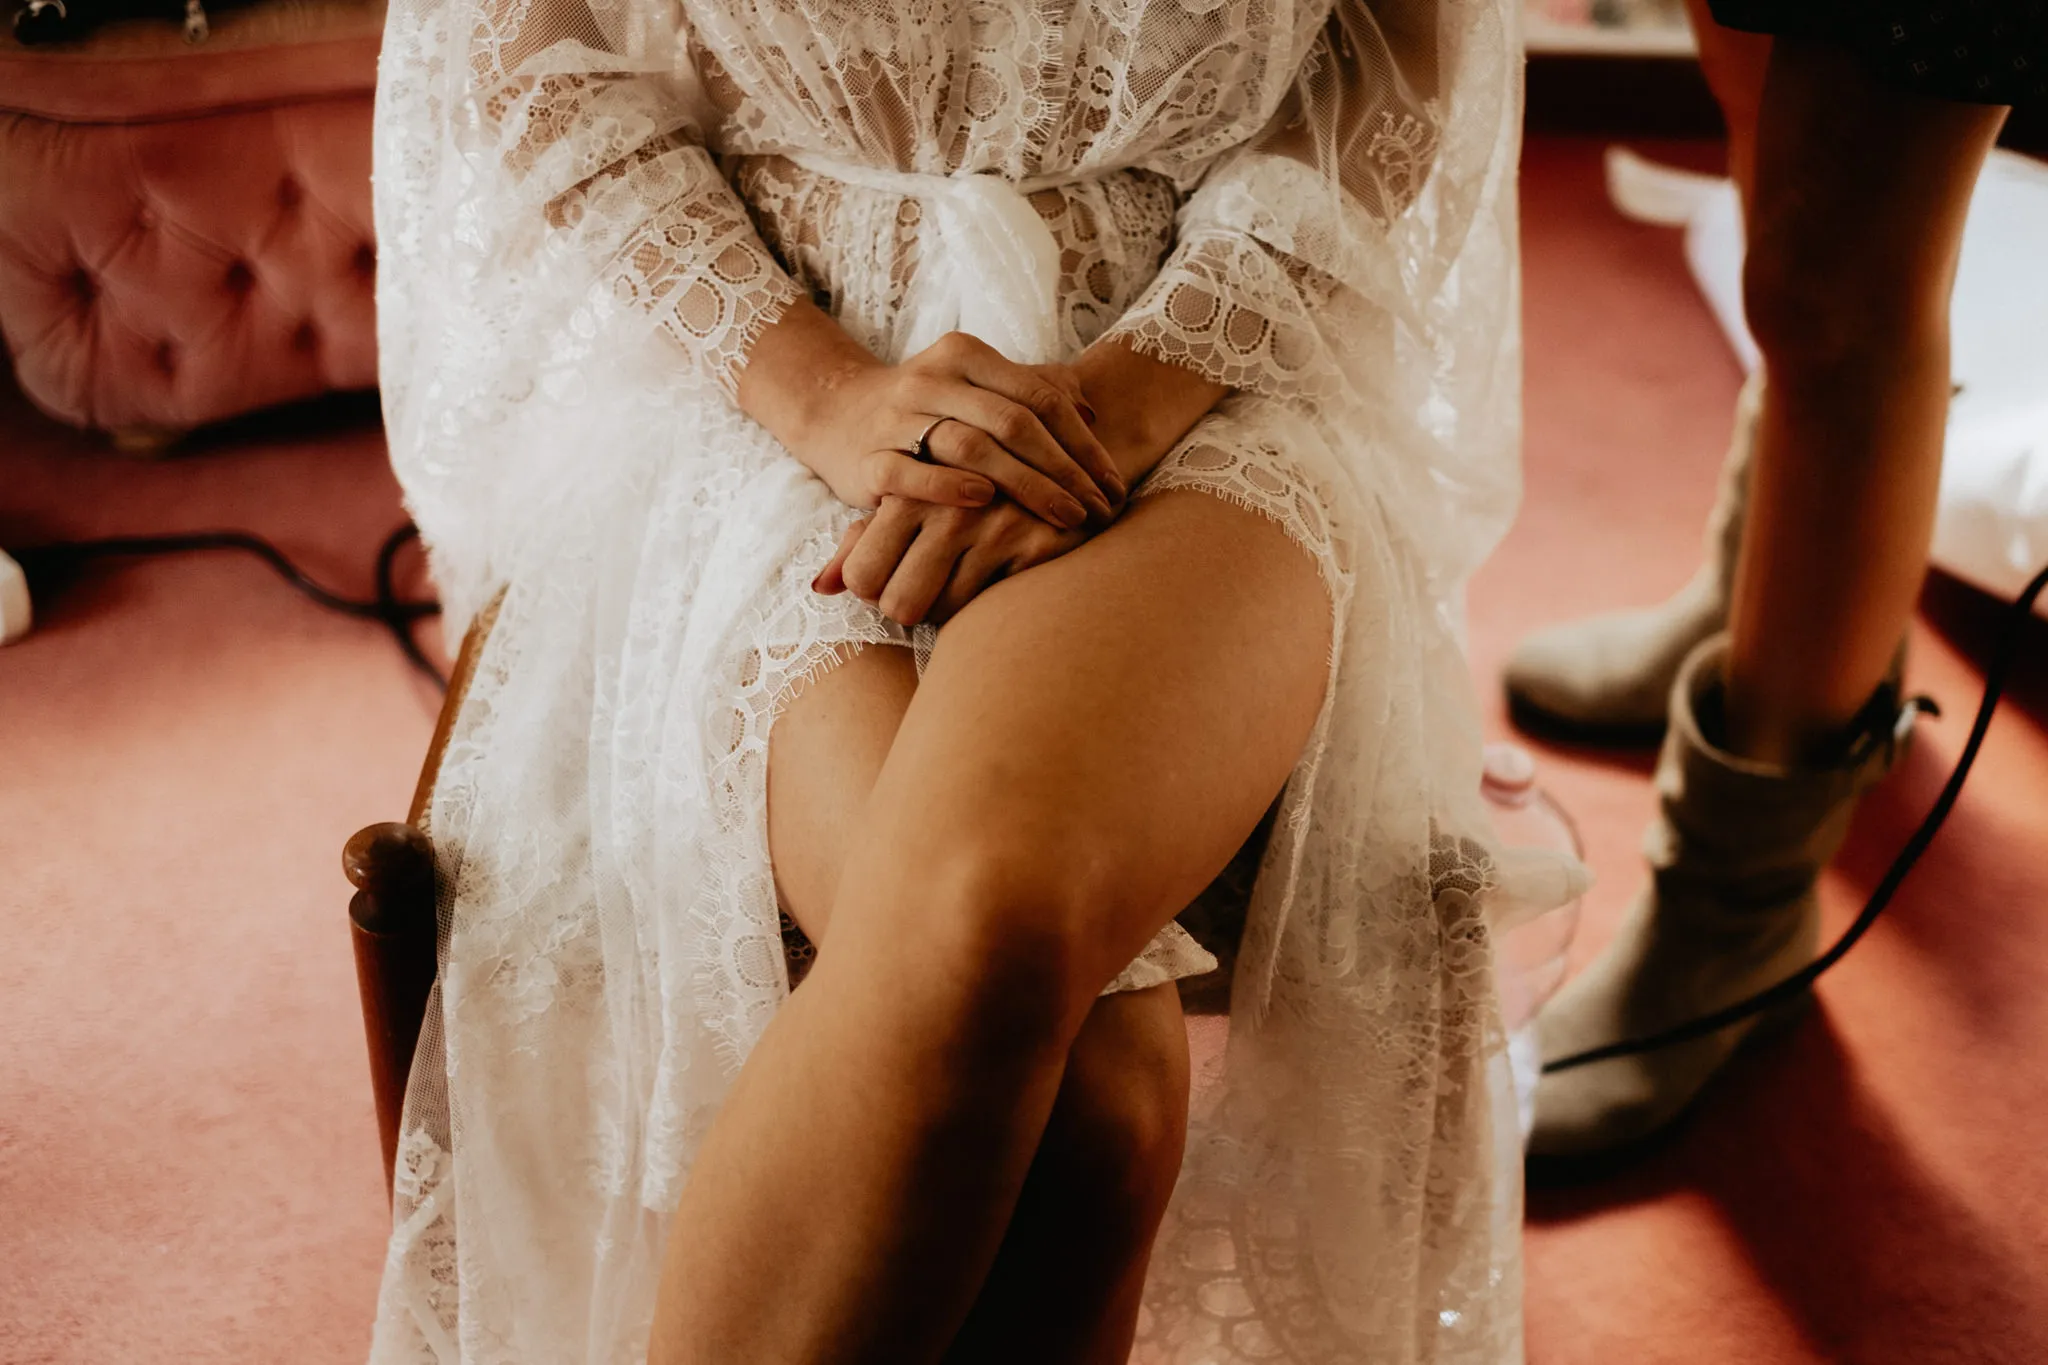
<point x="392" y="929"/>
<point x="393" y="916"/>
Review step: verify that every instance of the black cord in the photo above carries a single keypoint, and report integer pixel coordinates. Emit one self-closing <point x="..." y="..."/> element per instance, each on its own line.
<point x="2018" y="616"/>
<point x="399" y="615"/>
<point x="396" y="614"/>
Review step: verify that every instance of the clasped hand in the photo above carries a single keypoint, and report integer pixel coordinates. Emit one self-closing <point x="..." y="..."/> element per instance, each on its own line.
<point x="1011" y="476"/>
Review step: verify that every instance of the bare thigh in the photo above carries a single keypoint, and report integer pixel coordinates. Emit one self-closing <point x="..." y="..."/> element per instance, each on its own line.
<point x="1186" y="592"/>
<point x="824" y="752"/>
<point x="1092" y="742"/>
<point x="1861" y="190"/>
<point x="1096" y="737"/>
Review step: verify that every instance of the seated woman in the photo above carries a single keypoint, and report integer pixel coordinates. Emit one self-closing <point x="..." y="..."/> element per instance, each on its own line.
<point x="1170" y="347"/>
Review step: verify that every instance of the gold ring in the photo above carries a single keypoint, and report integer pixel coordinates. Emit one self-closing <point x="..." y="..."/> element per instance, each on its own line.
<point x="923" y="449"/>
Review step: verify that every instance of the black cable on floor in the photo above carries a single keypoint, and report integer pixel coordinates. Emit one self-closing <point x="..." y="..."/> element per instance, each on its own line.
<point x="2017" y="620"/>
<point x="44" y="564"/>
<point x="399" y="615"/>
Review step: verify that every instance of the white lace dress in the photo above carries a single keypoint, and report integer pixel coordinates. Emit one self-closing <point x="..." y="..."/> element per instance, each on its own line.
<point x="587" y="209"/>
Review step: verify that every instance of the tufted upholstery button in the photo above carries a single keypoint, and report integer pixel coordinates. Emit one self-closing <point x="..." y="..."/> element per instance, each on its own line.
<point x="151" y="290"/>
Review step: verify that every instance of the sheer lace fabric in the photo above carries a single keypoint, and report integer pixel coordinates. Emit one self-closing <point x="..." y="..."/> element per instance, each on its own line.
<point x="588" y="209"/>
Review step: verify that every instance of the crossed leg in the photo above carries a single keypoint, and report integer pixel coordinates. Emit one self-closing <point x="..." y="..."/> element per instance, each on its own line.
<point x="1092" y="742"/>
<point x="1066" y="1282"/>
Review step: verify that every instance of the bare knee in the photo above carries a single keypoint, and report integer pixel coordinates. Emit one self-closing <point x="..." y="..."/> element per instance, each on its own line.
<point x="1015" y="923"/>
<point x="1829" y="305"/>
<point x="1117" y="1132"/>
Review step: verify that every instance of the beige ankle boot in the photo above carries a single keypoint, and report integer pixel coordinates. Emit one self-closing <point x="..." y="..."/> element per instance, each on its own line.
<point x="1734" y="855"/>
<point x="1613" y="672"/>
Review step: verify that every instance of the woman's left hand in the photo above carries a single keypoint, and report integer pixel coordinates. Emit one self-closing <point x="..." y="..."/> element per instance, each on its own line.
<point x="919" y="561"/>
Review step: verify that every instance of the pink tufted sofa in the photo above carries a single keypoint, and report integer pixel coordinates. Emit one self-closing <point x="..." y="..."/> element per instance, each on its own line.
<point x="185" y="230"/>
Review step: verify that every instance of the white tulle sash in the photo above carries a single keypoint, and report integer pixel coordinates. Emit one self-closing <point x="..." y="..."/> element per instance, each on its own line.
<point x="997" y="268"/>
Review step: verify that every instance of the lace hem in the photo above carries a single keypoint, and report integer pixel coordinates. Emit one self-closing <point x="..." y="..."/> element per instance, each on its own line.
<point x="1247" y="469"/>
<point x="1172" y="955"/>
<point x="1225" y="307"/>
<point x="697" y="264"/>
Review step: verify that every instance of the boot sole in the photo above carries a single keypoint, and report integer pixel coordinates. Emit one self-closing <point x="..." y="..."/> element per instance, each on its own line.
<point x="1585" y="1168"/>
<point x="1534" y="721"/>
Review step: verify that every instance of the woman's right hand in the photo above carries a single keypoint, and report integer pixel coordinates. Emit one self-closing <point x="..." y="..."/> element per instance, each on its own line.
<point x="922" y="563"/>
<point x="1022" y="430"/>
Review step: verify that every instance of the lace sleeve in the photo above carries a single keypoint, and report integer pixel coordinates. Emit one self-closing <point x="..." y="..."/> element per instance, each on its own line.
<point x="558" y="260"/>
<point x="592" y="118"/>
<point x="691" y="257"/>
<point x="1285" y="238"/>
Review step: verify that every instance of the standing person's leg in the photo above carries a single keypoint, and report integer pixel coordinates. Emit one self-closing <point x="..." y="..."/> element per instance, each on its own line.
<point x="1065" y="1285"/>
<point x="1609" y="675"/>
<point x="1094" y="739"/>
<point x="1857" y="217"/>
<point x="1861" y="195"/>
<point x="1734" y="64"/>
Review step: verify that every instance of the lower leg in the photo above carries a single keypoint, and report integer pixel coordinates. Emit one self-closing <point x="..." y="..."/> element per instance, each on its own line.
<point x="1065" y="1283"/>
<point x="1041" y="813"/>
<point x="849" y="1199"/>
<point x="1860" y="198"/>
<point x="1857" y="212"/>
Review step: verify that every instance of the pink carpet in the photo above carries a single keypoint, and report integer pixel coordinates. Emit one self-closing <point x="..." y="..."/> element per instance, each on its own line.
<point x="188" y="1167"/>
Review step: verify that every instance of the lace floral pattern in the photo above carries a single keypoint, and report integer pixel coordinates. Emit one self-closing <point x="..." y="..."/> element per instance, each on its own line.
<point x="1230" y="310"/>
<point x="855" y="249"/>
<point x="587" y="210"/>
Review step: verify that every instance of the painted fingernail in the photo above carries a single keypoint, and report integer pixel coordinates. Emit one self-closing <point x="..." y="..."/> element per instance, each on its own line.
<point x="816" y="581"/>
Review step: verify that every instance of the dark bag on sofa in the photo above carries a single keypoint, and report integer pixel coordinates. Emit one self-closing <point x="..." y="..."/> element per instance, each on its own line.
<point x="68" y="21"/>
